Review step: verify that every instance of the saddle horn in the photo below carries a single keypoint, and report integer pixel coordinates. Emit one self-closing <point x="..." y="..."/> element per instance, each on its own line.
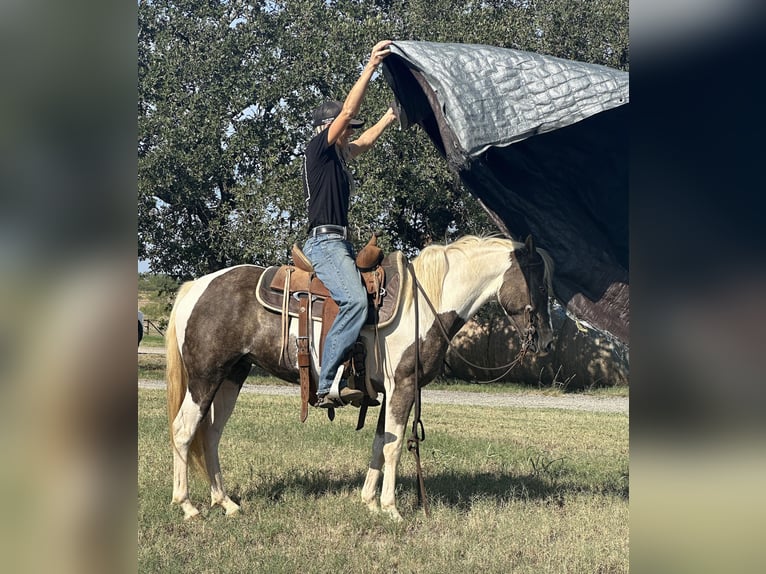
<point x="370" y="255"/>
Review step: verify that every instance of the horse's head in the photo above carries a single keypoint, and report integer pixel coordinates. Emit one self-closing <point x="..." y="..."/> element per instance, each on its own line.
<point x="525" y="299"/>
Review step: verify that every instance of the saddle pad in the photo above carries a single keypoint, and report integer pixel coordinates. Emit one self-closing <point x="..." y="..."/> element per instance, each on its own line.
<point x="394" y="265"/>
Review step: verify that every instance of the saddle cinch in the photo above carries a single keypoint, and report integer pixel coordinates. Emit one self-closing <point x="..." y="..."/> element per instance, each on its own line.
<point x="295" y="291"/>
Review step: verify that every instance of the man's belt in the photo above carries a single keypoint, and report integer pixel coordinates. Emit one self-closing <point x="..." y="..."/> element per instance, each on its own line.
<point x="321" y="229"/>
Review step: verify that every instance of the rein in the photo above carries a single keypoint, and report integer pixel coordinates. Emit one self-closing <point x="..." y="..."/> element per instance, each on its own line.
<point x="418" y="430"/>
<point x="529" y="333"/>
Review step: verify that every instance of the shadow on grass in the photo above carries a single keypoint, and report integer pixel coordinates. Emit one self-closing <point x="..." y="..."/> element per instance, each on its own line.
<point x="461" y="490"/>
<point x="314" y="485"/>
<point x="458" y="490"/>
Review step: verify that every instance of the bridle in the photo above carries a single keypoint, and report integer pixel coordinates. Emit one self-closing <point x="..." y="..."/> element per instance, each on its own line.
<point x="528" y="333"/>
<point x="530" y="330"/>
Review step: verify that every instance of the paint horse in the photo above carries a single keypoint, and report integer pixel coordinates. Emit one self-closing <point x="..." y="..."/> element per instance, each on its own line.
<point x="218" y="330"/>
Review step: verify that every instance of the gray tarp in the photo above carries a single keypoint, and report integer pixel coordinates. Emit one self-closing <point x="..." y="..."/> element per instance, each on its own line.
<point x="542" y="142"/>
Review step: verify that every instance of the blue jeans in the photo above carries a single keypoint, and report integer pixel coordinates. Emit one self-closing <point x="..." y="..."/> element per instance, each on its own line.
<point x="333" y="260"/>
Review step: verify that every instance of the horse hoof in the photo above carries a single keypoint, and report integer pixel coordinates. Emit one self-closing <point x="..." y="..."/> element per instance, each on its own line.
<point x="195" y="515"/>
<point x="373" y="507"/>
<point x="190" y="511"/>
<point x="393" y="514"/>
<point x="230" y="507"/>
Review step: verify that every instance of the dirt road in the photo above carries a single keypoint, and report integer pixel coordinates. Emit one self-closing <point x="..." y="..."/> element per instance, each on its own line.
<point x="524" y="400"/>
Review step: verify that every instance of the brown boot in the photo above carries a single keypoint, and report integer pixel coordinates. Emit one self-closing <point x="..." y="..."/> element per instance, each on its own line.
<point x="347" y="396"/>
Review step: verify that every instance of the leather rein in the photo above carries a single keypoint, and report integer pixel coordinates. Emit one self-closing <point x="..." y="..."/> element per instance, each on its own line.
<point x="418" y="430"/>
<point x="529" y="331"/>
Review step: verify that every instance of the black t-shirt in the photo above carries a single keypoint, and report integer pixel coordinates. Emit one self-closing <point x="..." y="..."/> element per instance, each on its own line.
<point x="325" y="183"/>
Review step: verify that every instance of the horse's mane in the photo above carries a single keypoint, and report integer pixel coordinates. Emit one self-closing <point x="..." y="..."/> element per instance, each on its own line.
<point x="432" y="264"/>
<point x="511" y="245"/>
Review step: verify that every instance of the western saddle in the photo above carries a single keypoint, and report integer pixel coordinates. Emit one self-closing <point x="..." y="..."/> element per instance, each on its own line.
<point x="296" y="291"/>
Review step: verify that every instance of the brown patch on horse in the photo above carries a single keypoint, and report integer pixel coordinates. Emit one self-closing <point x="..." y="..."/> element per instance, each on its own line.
<point x="532" y="266"/>
<point x="213" y="350"/>
<point x="511" y="299"/>
<point x="527" y="268"/>
<point x="433" y="349"/>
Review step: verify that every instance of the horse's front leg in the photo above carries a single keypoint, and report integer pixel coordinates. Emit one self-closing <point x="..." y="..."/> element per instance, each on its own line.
<point x="398" y="408"/>
<point x="370" y="488"/>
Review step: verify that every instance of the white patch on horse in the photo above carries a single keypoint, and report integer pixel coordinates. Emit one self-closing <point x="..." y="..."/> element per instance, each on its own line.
<point x="187" y="304"/>
<point x="185" y="424"/>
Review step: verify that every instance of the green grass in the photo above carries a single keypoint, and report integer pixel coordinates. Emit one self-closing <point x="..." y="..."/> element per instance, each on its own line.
<point x="444" y="384"/>
<point x="151" y="366"/>
<point x="511" y="490"/>
<point x="153" y="341"/>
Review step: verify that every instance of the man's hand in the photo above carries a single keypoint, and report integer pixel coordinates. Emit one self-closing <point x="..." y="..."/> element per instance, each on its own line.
<point x="379" y="53"/>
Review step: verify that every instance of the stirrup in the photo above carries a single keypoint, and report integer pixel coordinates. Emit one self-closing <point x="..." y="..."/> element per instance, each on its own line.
<point x="334" y="393"/>
<point x="327" y="403"/>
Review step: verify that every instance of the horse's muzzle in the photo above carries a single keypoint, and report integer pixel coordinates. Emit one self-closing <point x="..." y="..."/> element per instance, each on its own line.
<point x="535" y="343"/>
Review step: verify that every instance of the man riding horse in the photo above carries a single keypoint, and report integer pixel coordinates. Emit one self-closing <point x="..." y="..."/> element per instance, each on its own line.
<point x="327" y="184"/>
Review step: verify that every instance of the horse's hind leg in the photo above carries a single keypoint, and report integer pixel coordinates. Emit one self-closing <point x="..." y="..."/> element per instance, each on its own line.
<point x="220" y="411"/>
<point x="370" y="488"/>
<point x="184" y="427"/>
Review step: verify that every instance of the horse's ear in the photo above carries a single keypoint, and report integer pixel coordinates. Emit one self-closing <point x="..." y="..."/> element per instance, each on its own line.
<point x="529" y="244"/>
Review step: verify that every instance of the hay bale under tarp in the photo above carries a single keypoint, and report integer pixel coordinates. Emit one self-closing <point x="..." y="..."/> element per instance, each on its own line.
<point x="582" y="357"/>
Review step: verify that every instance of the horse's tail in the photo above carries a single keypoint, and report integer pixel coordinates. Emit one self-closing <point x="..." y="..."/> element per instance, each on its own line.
<point x="177" y="381"/>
